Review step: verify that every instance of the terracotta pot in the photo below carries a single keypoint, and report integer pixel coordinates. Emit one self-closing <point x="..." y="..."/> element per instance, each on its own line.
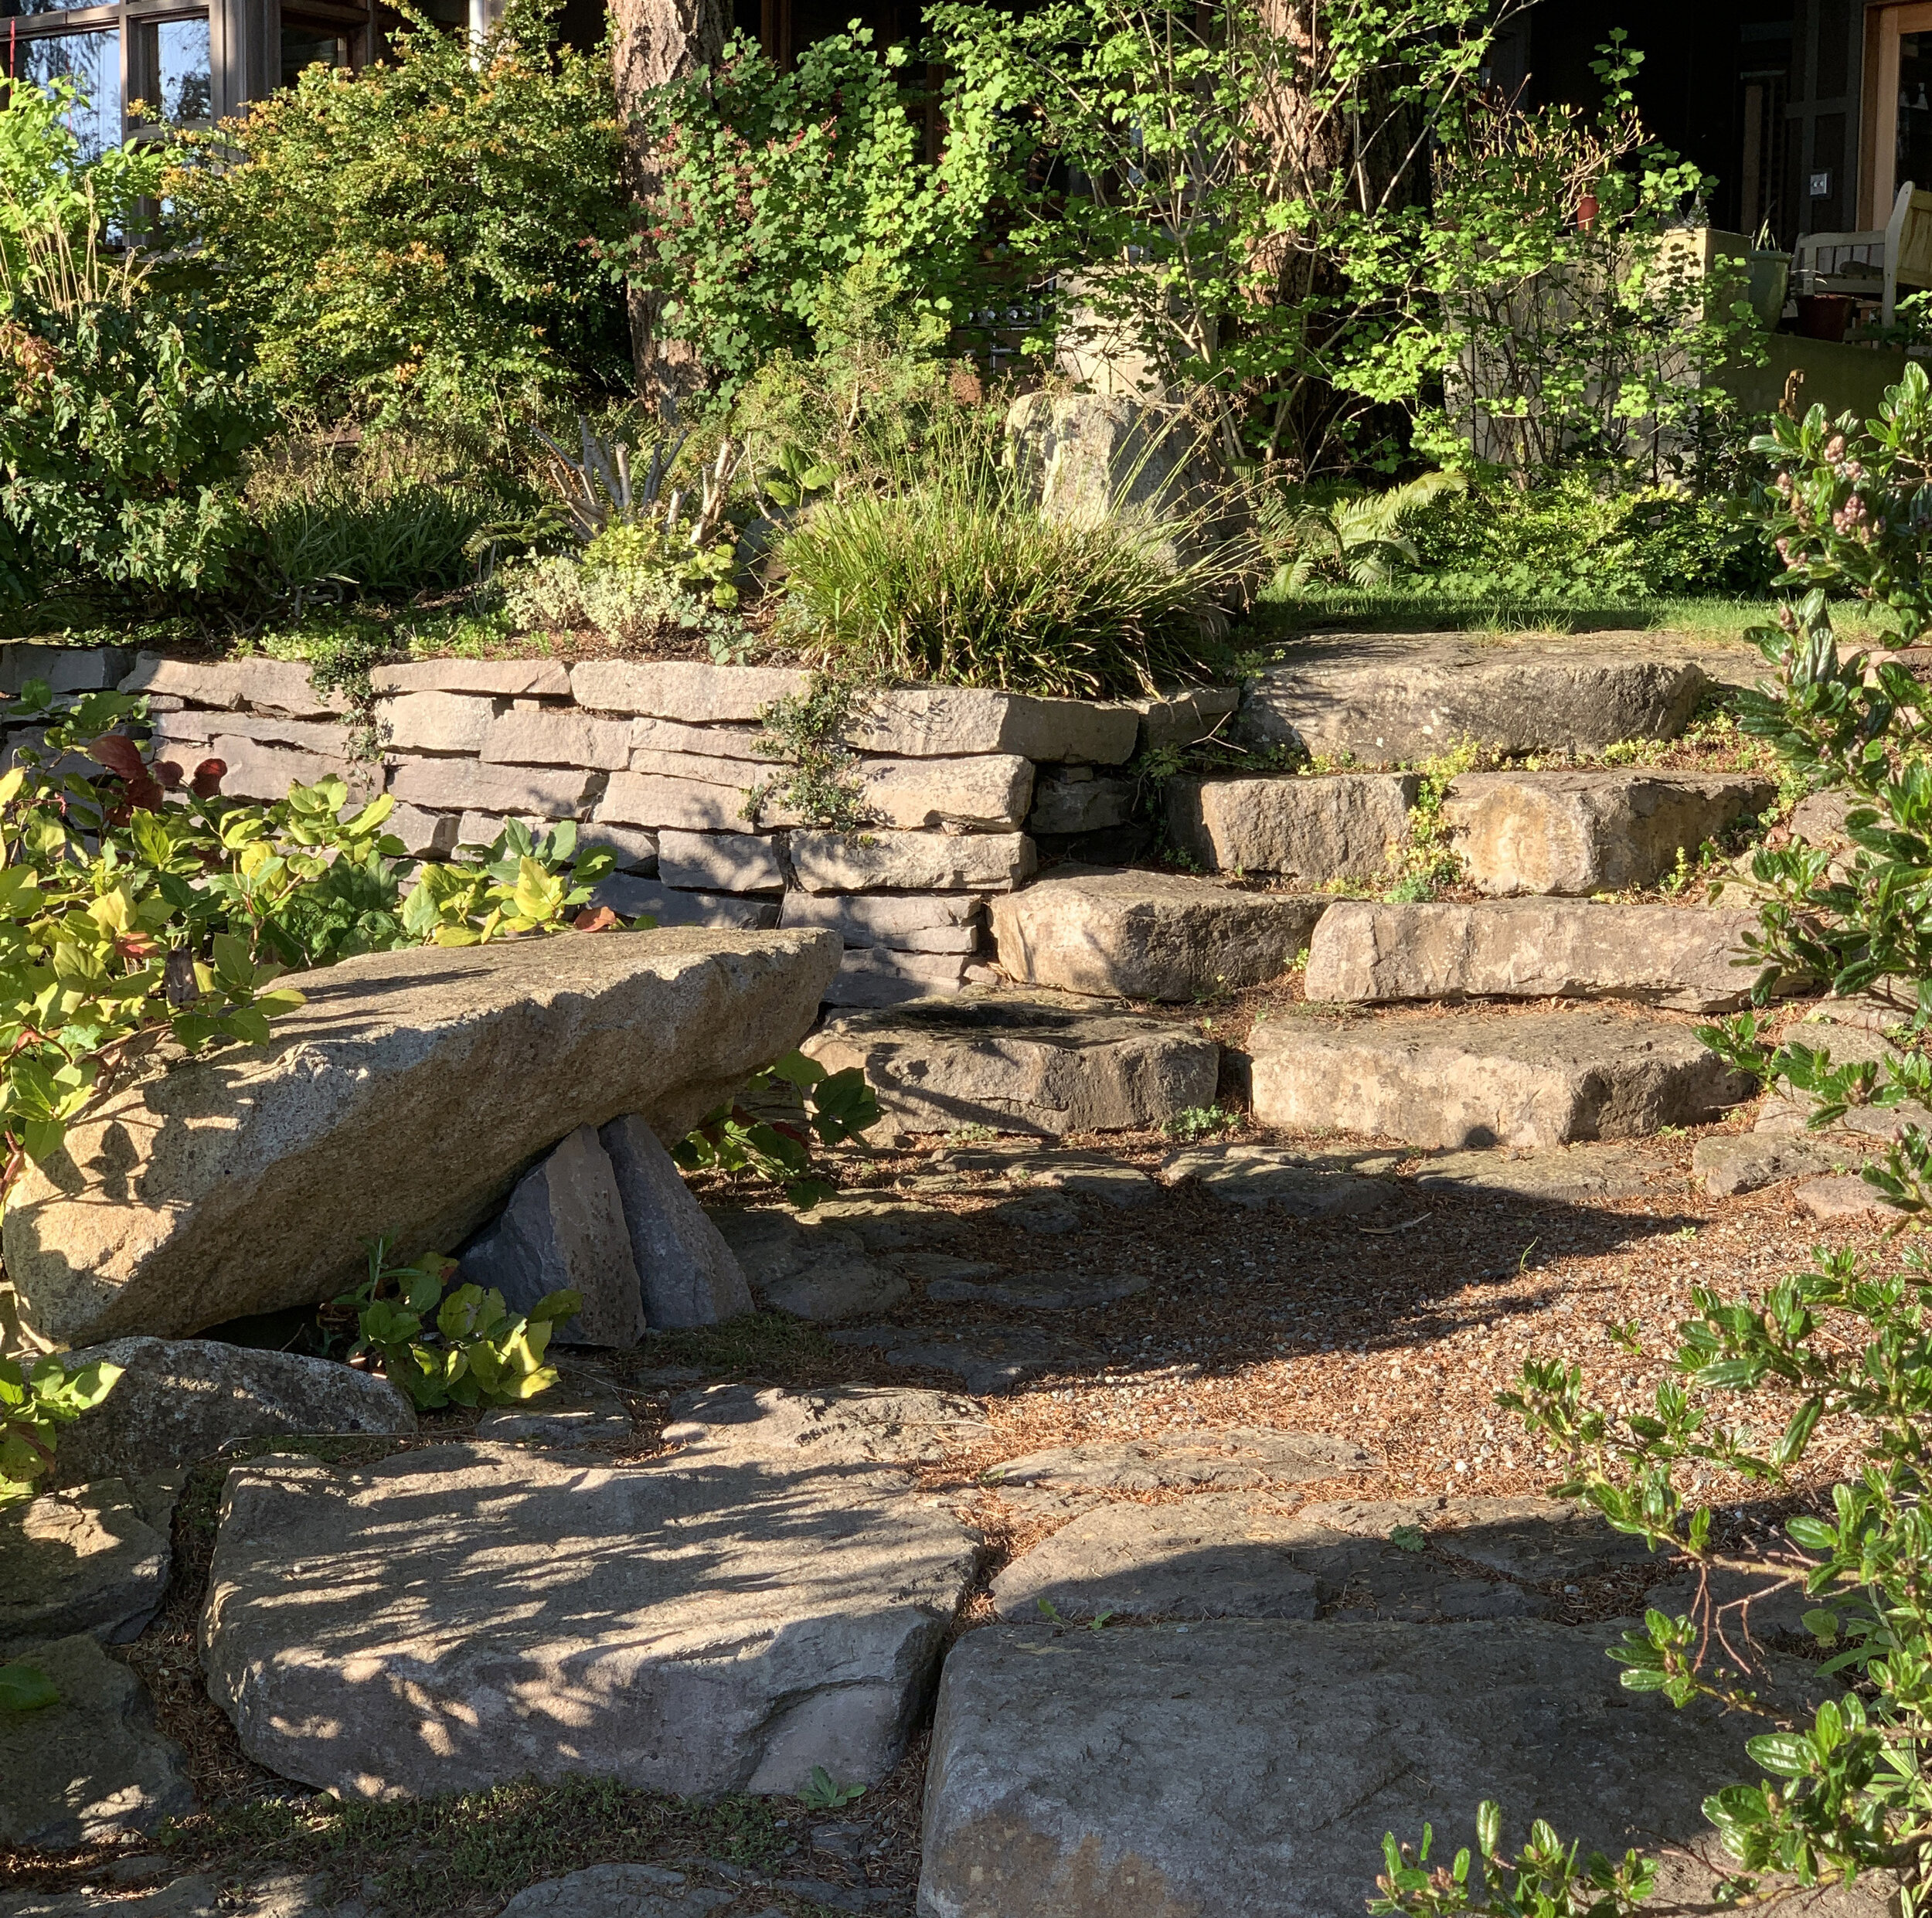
<point x="1824" y="316"/>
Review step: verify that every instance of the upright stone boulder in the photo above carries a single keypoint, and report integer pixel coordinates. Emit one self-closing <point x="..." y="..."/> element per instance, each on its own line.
<point x="689" y="1275"/>
<point x="407" y="1095"/>
<point x="1147" y="935"/>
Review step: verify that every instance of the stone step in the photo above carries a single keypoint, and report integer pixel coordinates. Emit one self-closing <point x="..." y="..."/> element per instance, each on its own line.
<point x="1392" y="697"/>
<point x="1157" y="936"/>
<point x="1529" y="1079"/>
<point x="1315" y="829"/>
<point x="1370" y="952"/>
<point x="1587" y="830"/>
<point x="1021" y="1062"/>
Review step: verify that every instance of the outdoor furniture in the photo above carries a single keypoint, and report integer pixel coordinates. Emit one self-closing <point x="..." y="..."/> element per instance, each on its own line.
<point x="1872" y="265"/>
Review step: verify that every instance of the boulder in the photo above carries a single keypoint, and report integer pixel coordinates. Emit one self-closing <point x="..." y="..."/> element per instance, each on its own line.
<point x="564" y="1229"/>
<point x="1683" y="958"/>
<point x="1585" y="830"/>
<point x="841" y="1426"/>
<point x="1536" y="1079"/>
<point x="90" y="1769"/>
<point x="469" y="1614"/>
<point x="406" y="1095"/>
<point x="1147" y="935"/>
<point x="180" y="1400"/>
<point x="911" y="861"/>
<point x="1314" y="830"/>
<point x="81" y="1560"/>
<point x="1021" y="1063"/>
<point x="688" y="1273"/>
<point x="1285" y="1750"/>
<point x="1406" y="696"/>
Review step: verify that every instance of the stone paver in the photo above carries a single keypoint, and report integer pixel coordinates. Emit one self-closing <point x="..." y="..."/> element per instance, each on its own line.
<point x="617" y="1891"/>
<point x="281" y="1894"/>
<point x="1536" y="1079"/>
<point x="1843" y="1196"/>
<point x="1577" y="1174"/>
<point x="1021" y="1063"/>
<point x="1732" y="1162"/>
<point x="1259" y="1176"/>
<point x="471" y="1613"/>
<point x="1230" y="1458"/>
<point x="986" y="1359"/>
<point x="836" y="1425"/>
<point x="81" y="1560"/>
<point x="1314" y="830"/>
<point x="1540" y="1541"/>
<point x="1088" y="1174"/>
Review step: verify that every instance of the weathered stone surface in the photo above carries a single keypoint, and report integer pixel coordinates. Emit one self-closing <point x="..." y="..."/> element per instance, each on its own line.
<point x="583" y="1408"/>
<point x="690" y="805"/>
<point x="533" y="735"/>
<point x="496" y="678"/>
<point x="90" y="1769"/>
<point x="720" y="861"/>
<point x="323" y="738"/>
<point x="688" y="1274"/>
<point x="564" y="1229"/>
<point x="1213" y="1557"/>
<point x="1071" y="800"/>
<point x="1316" y="829"/>
<point x="1020" y="1064"/>
<point x="986" y="1359"/>
<point x="1218" y="1458"/>
<point x="1039" y="1215"/>
<point x="425" y="835"/>
<point x="840" y="1426"/>
<point x="1260" y="1176"/>
<point x="911" y="861"/>
<point x="872" y="976"/>
<point x="617" y="1891"/>
<point x="944" y="721"/>
<point x="824" y="1275"/>
<point x="704" y="742"/>
<point x="1182" y="718"/>
<point x="1147" y="935"/>
<point x="1679" y="956"/>
<point x="1539" y="1541"/>
<point x="1819" y="819"/>
<point x="1407" y="696"/>
<point x="417" y="1085"/>
<point x="83" y="1560"/>
<point x="1091" y="1175"/>
<point x="469" y="1614"/>
<point x="180" y="1400"/>
<point x="636" y="850"/>
<point x="269" y="685"/>
<point x="686" y="690"/>
<point x="1585" y="830"/>
<point x="1841" y="1195"/>
<point x="267" y="772"/>
<point x="1542" y="1079"/>
<point x="1576" y="1175"/>
<point x="927" y="922"/>
<point x="881" y="1222"/>
<point x="1787" y="1111"/>
<point x="990" y="793"/>
<point x="465" y="784"/>
<point x="1046" y="1797"/>
<point x="1732" y="1162"/>
<point x="65" y="669"/>
<point x="739" y="776"/>
<point x="631" y="895"/>
<point x="435" y="722"/>
<point x="281" y="1895"/>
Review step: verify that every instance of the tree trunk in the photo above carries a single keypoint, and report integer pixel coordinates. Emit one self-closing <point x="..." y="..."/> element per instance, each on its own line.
<point x="654" y="41"/>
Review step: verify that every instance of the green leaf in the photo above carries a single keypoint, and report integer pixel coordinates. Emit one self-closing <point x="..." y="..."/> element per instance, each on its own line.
<point x="25" y="1688"/>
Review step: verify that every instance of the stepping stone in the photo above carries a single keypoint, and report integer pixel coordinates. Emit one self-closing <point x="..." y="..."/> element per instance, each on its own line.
<point x="1534" y="1080"/>
<point x="939" y="1265"/>
<point x="467" y="1614"/>
<point x="1580" y="1173"/>
<point x="180" y="1400"/>
<point x="1585" y="830"/>
<point x="882" y="1222"/>
<point x="821" y="1274"/>
<point x="1047" y="1214"/>
<point x="1225" y="1458"/>
<point x="1733" y="1162"/>
<point x="1147" y="935"/>
<point x="1021" y="1063"/>
<point x="1369" y="952"/>
<point x="1091" y="1175"/>
<point x="1066" y="1293"/>
<point x="84" y="1560"/>
<point x="583" y="1408"/>
<point x="1539" y="1541"/>
<point x="837" y="1425"/>
<point x="1396" y="696"/>
<point x="1787" y="1112"/>
<point x="1258" y="1176"/>
<point x="1172" y="1769"/>
<point x="1843" y="1196"/>
<point x="90" y="1769"/>
<point x="986" y="1359"/>
<point x="1314" y="830"/>
<point x="617" y="1891"/>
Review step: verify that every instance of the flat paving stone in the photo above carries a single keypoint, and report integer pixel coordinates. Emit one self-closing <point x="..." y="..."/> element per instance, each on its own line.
<point x="90" y="1769"/>
<point x="1529" y="1080"/>
<point x="1149" y="1772"/>
<point x="1068" y="1292"/>
<point x="928" y="1266"/>
<point x="882" y="1222"/>
<point x="581" y="1409"/>
<point x="1227" y="1458"/>
<point x="466" y="1614"/>
<point x="837" y="1425"/>
<point x="1021" y="1062"/>
<point x="987" y="1359"/>
<point x="81" y="1560"/>
<point x="1579" y="1173"/>
<point x="822" y="1273"/>
<point x="1089" y="1175"/>
<point x="1539" y="1541"/>
<point x="617" y="1891"/>
<point x="1841" y="1195"/>
<point x="1048" y="1214"/>
<point x="1732" y="1162"/>
<point x="1257" y="1176"/>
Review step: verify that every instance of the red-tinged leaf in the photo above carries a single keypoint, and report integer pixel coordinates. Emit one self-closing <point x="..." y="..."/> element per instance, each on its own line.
<point x="167" y="772"/>
<point x="134" y="945"/>
<point x="209" y="776"/>
<point x="121" y="757"/>
<point x="601" y="920"/>
<point x="792" y="1133"/>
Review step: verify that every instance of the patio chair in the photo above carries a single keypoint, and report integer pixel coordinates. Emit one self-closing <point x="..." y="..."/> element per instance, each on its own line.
<point x="1873" y="265"/>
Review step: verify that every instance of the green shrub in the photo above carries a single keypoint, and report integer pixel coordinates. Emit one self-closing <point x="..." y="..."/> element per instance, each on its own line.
<point x="44" y="182"/>
<point x="424" y="239"/>
<point x="964" y="580"/>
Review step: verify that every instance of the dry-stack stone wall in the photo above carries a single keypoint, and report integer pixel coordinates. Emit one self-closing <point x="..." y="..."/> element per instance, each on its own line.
<point x="657" y="759"/>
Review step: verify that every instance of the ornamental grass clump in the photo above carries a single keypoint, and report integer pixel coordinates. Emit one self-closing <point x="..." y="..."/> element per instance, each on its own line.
<point x="964" y="580"/>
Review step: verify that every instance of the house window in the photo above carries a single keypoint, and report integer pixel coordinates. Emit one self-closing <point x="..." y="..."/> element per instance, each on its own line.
<point x="140" y="50"/>
<point x="1898" y="105"/>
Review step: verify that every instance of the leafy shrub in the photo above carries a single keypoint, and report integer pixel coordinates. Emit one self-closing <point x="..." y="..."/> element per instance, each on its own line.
<point x="825" y="1107"/>
<point x="423" y="239"/>
<point x="35" y="1401"/>
<point x="964" y="580"/>
<point x="124" y="409"/>
<point x="46" y="183"/>
<point x="1331" y="530"/>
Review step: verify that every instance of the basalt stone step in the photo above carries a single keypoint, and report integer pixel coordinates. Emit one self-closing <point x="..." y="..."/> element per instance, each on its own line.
<point x="1157" y="936"/>
<point x="1402" y="696"/>
<point x="1586" y="830"/>
<point x="1537" y="1078"/>
<point x="1021" y="1062"/>
<point x="1315" y="830"/>
<point x="1367" y="952"/>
